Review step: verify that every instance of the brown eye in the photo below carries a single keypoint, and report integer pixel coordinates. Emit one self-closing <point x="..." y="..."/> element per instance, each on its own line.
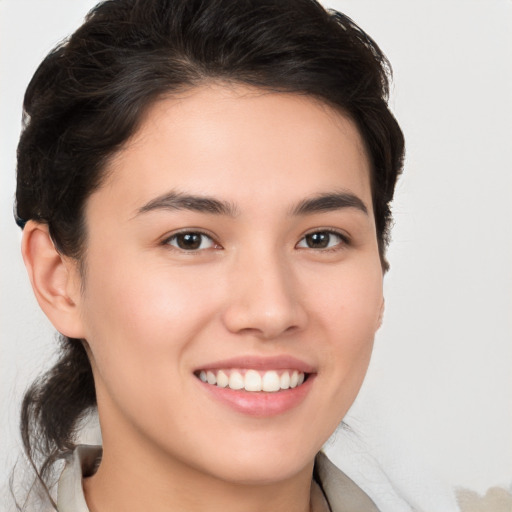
<point x="191" y="241"/>
<point x="321" y="240"/>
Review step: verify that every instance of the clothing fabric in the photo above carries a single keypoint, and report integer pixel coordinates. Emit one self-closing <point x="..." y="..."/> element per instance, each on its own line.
<point x="331" y="490"/>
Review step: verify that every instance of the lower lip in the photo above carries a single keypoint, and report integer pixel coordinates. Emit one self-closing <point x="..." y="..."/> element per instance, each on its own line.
<point x="260" y="403"/>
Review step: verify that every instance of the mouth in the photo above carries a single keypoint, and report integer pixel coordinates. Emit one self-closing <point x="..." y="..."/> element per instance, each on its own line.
<point x="252" y="380"/>
<point x="258" y="386"/>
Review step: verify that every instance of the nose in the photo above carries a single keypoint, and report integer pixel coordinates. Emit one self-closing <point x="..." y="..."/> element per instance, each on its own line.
<point x="264" y="299"/>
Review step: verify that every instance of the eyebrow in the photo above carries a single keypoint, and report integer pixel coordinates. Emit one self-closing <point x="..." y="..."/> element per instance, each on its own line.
<point x="329" y="202"/>
<point x="204" y="204"/>
<point x="180" y="201"/>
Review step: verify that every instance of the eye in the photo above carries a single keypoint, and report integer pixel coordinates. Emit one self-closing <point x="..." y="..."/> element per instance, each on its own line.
<point x="322" y="240"/>
<point x="191" y="241"/>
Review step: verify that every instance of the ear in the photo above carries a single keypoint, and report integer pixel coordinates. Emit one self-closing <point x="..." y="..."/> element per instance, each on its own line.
<point x="381" y="313"/>
<point x="55" y="279"/>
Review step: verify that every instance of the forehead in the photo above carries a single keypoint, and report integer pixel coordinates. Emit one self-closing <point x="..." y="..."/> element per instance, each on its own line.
<point x="242" y="144"/>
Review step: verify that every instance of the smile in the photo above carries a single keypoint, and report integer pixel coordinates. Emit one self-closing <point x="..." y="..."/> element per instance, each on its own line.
<point x="269" y="381"/>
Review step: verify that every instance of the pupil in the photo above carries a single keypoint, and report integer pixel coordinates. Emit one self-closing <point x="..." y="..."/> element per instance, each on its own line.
<point x="318" y="240"/>
<point x="189" y="241"/>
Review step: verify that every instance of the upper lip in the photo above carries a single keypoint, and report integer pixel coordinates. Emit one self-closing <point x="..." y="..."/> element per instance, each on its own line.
<point x="282" y="362"/>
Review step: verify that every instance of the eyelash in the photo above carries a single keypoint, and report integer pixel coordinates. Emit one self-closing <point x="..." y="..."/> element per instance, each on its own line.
<point x="344" y="240"/>
<point x="174" y="237"/>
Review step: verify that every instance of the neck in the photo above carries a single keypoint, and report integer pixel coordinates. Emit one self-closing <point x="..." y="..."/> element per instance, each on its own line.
<point x="111" y="489"/>
<point x="142" y="478"/>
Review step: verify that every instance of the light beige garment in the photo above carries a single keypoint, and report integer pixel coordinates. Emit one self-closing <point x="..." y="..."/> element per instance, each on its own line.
<point x="333" y="492"/>
<point x="495" y="500"/>
<point x="81" y="463"/>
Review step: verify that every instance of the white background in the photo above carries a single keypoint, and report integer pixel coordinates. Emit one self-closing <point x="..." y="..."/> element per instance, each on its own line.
<point x="436" y="409"/>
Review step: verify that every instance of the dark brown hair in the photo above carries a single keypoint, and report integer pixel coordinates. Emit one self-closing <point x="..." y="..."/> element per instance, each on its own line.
<point x="89" y="94"/>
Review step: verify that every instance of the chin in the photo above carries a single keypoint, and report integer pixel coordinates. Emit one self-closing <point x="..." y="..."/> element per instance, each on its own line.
<point x="263" y="467"/>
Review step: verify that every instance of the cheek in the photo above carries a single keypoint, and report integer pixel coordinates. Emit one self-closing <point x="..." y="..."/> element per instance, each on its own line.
<point x="133" y="295"/>
<point x="140" y="318"/>
<point x="350" y="300"/>
<point x="140" y="326"/>
<point x="349" y="310"/>
<point x="346" y="313"/>
<point x="358" y="320"/>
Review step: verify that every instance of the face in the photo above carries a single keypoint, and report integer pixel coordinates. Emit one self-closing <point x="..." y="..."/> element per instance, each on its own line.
<point x="233" y="284"/>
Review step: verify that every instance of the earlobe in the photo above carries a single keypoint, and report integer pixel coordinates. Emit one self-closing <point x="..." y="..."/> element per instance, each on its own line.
<point x="55" y="279"/>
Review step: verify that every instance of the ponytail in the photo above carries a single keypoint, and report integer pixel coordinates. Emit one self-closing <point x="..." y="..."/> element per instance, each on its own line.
<point x="53" y="407"/>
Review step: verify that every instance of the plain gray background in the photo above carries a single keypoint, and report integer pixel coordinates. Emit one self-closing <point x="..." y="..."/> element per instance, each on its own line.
<point x="436" y="409"/>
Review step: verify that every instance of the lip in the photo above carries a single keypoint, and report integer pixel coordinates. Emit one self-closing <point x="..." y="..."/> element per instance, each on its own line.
<point x="283" y="362"/>
<point x="260" y="404"/>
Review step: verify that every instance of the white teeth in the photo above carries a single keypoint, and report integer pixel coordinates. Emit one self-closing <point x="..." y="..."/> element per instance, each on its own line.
<point x="222" y="379"/>
<point x="271" y="382"/>
<point x="236" y="381"/>
<point x="253" y="380"/>
<point x="294" y="379"/>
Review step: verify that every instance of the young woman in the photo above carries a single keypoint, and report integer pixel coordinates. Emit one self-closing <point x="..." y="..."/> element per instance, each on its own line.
<point x="204" y="192"/>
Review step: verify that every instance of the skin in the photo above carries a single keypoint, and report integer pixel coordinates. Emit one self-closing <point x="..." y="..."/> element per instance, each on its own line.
<point x="152" y="313"/>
